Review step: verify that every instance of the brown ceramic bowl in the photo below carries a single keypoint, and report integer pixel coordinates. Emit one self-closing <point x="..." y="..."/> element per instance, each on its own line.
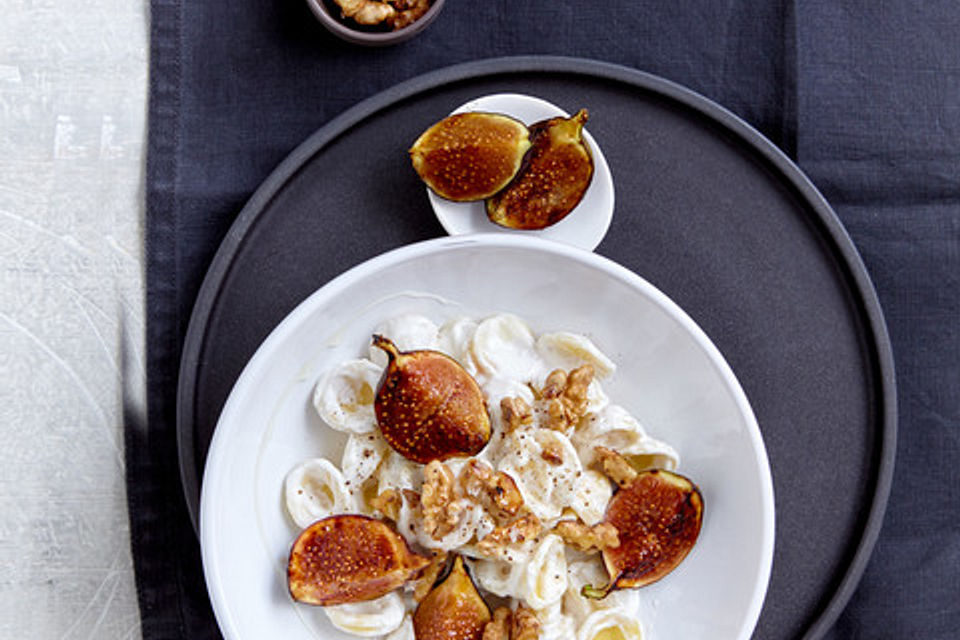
<point x="329" y="15"/>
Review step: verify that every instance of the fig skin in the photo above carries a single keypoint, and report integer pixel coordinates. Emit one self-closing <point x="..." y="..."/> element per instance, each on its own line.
<point x="349" y="558"/>
<point x="470" y="156"/>
<point x="658" y="517"/>
<point x="453" y="610"/>
<point x="554" y="177"/>
<point x="428" y="407"/>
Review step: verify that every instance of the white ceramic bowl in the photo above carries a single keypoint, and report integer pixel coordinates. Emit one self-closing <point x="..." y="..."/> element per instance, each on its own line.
<point x="583" y="227"/>
<point x="670" y="376"/>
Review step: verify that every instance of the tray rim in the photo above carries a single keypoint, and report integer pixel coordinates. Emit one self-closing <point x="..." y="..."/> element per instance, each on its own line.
<point x="855" y="270"/>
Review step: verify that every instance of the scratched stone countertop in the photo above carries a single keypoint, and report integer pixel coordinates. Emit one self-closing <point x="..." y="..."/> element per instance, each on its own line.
<point x="73" y="90"/>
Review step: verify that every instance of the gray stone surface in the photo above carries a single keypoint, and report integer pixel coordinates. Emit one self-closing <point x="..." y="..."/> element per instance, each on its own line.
<point x="72" y="128"/>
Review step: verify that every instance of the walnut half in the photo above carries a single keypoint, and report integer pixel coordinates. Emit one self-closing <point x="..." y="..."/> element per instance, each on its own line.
<point x="615" y="466"/>
<point x="520" y="530"/>
<point x="525" y="624"/>
<point x="515" y="412"/>
<point x="388" y="503"/>
<point x="396" y="14"/>
<point x="565" y="395"/>
<point x="521" y="624"/>
<point x="494" y="488"/>
<point x="438" y="500"/>
<point x="586" y="538"/>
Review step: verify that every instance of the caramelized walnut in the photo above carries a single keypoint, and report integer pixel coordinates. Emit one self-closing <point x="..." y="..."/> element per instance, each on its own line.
<point x="495" y="489"/>
<point x="615" y="466"/>
<point x="474" y="478"/>
<point x="586" y="538"/>
<point x="396" y="14"/>
<point x="520" y="530"/>
<point x="408" y="12"/>
<point x="438" y="501"/>
<point x="388" y="503"/>
<point x="565" y="397"/>
<point x="552" y="452"/>
<point x="515" y="412"/>
<point x="521" y="624"/>
<point x="525" y="625"/>
<point x="505" y="495"/>
<point x="366" y="12"/>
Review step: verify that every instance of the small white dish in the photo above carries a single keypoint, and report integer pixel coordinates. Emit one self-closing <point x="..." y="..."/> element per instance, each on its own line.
<point x="669" y="376"/>
<point x="584" y="227"/>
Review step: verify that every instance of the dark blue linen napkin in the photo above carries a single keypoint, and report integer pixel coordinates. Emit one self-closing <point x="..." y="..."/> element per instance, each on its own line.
<point x="878" y="131"/>
<point x="866" y="96"/>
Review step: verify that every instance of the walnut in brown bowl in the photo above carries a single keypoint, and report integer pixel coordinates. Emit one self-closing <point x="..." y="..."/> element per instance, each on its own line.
<point x="375" y="22"/>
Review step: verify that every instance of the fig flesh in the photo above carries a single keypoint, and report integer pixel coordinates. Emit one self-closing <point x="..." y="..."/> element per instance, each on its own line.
<point x="453" y="610"/>
<point x="658" y="517"/>
<point x="470" y="156"/>
<point x="349" y="558"/>
<point x="553" y="179"/>
<point x="428" y="407"/>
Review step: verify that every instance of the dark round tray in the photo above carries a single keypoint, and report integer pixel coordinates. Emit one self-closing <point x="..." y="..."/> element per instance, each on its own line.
<point x="707" y="210"/>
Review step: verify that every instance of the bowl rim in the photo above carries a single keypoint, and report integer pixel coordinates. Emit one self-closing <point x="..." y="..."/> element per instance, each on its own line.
<point x="209" y="526"/>
<point x="342" y="30"/>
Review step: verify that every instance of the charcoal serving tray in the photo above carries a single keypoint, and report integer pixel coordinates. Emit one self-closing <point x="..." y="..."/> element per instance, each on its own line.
<point x="707" y="210"/>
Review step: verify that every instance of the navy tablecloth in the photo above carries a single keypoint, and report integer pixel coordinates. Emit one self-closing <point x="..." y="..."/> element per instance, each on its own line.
<point x="865" y="96"/>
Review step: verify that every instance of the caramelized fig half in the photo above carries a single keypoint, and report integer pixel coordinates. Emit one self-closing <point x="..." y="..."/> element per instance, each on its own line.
<point x="658" y="517"/>
<point x="470" y="156"/>
<point x="454" y="610"/>
<point x="428" y="407"/>
<point x="349" y="558"/>
<point x="554" y="176"/>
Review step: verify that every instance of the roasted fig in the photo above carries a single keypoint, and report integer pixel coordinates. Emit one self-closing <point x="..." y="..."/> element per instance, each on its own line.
<point x="453" y="610"/>
<point x="470" y="156"/>
<point x="555" y="174"/>
<point x="349" y="558"/>
<point x="658" y="517"/>
<point x="428" y="407"/>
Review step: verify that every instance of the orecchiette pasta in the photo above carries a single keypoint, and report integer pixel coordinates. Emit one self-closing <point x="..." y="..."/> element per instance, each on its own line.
<point x="344" y="397"/>
<point x="404" y="631"/>
<point x="591" y="571"/>
<point x="362" y="455"/>
<point x="315" y="489"/>
<point x="555" y="624"/>
<point x="614" y="428"/>
<point x="454" y="339"/>
<point x="546" y="468"/>
<point x="545" y="574"/>
<point x="593" y="493"/>
<point x="563" y="350"/>
<point x="408" y="332"/>
<point x="396" y="472"/>
<point x="610" y="623"/>
<point x="499" y="508"/>
<point x="504" y="347"/>
<point x="498" y="577"/>
<point x="371" y="618"/>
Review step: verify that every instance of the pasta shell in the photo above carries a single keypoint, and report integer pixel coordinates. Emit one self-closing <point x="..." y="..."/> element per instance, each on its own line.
<point x="315" y="489"/>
